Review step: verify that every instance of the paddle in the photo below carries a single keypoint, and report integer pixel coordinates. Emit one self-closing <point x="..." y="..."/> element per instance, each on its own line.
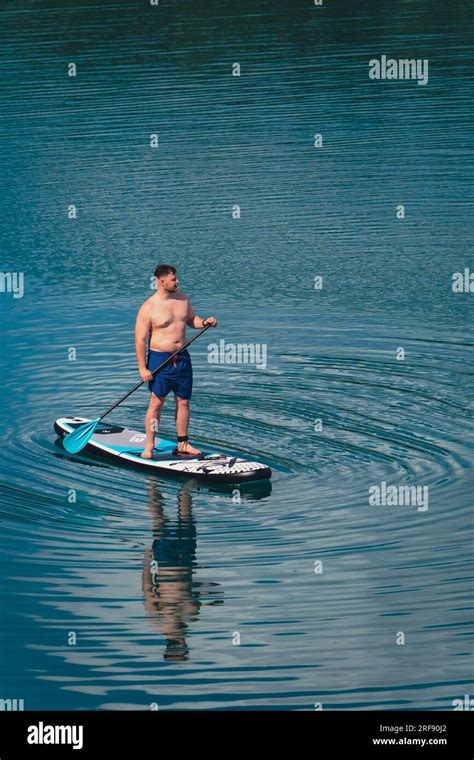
<point x="75" y="441"/>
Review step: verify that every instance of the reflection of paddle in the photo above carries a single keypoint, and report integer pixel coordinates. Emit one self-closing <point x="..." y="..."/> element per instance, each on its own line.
<point x="76" y="440"/>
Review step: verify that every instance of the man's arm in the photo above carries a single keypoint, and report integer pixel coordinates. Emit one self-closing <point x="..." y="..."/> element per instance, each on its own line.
<point x="197" y="322"/>
<point x="142" y="330"/>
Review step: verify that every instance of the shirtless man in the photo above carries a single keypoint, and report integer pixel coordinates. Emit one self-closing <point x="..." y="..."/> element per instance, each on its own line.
<point x="162" y="320"/>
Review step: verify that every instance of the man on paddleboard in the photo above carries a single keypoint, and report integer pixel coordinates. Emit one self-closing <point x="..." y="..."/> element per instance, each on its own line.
<point x="162" y="321"/>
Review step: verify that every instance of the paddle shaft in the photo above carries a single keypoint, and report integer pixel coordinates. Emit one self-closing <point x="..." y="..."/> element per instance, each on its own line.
<point x="167" y="361"/>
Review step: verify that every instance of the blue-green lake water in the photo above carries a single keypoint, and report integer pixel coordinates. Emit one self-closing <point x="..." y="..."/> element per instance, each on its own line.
<point x="146" y="591"/>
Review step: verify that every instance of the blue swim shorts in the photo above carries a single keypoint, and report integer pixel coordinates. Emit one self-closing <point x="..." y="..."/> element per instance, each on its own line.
<point x="177" y="376"/>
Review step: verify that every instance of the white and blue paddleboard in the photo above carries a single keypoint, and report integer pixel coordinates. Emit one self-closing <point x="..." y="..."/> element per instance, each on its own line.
<point x="124" y="446"/>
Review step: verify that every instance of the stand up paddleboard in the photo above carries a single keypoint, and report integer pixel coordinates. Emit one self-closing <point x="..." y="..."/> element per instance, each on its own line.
<point x="124" y="446"/>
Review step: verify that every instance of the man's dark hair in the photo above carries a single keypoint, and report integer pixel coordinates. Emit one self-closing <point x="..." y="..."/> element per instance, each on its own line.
<point x="163" y="269"/>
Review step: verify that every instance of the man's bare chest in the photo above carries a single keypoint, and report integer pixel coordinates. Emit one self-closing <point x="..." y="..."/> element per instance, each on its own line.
<point x="169" y="312"/>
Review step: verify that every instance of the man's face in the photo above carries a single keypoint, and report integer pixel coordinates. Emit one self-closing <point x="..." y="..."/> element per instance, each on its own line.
<point x="170" y="283"/>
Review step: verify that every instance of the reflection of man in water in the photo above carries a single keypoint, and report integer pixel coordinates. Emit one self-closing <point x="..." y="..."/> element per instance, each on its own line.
<point x="171" y="597"/>
<point x="169" y="594"/>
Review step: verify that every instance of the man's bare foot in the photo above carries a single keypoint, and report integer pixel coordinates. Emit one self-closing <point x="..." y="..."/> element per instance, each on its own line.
<point x="147" y="453"/>
<point x="184" y="447"/>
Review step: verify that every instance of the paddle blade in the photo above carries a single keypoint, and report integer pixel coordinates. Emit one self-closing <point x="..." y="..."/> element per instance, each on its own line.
<point x="76" y="440"/>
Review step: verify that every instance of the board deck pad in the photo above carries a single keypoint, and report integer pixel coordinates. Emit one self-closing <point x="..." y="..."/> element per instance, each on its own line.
<point x="125" y="446"/>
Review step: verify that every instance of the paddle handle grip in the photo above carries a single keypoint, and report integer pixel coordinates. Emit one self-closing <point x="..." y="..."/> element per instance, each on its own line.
<point x="167" y="361"/>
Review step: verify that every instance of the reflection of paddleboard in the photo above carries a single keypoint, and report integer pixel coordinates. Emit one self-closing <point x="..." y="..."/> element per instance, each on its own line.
<point x="124" y="446"/>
